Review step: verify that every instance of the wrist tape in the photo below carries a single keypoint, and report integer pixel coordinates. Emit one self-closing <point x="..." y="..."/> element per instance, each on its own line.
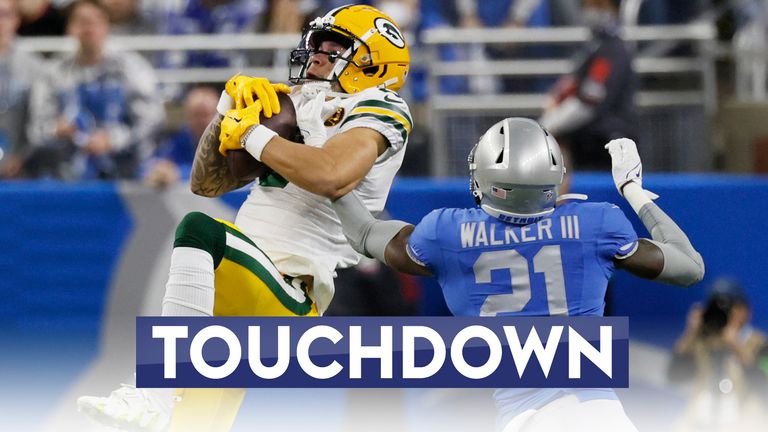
<point x="255" y="139"/>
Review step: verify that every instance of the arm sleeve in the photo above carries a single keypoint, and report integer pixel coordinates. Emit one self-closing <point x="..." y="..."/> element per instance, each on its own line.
<point x="570" y="115"/>
<point x="618" y="238"/>
<point x="424" y="245"/>
<point x="366" y="234"/>
<point x="683" y="265"/>
<point x="389" y="115"/>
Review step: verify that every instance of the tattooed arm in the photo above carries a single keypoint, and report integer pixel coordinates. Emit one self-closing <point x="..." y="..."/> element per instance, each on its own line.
<point x="210" y="174"/>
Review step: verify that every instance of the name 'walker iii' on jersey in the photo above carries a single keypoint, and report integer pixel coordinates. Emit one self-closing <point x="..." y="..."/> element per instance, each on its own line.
<point x="525" y="252"/>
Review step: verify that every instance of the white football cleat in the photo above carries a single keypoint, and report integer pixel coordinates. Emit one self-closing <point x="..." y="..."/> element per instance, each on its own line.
<point x="130" y="409"/>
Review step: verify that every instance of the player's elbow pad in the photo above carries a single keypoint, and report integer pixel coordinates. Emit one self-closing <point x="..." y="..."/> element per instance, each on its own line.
<point x="680" y="268"/>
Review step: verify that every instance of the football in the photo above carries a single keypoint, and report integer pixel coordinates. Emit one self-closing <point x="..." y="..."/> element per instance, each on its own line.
<point x="245" y="167"/>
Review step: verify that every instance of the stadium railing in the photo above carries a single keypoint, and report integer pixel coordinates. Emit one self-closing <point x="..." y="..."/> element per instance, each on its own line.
<point x="275" y="43"/>
<point x="668" y="113"/>
<point x="674" y="121"/>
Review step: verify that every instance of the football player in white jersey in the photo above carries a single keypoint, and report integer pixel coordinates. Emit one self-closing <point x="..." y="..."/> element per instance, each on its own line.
<point x="279" y="256"/>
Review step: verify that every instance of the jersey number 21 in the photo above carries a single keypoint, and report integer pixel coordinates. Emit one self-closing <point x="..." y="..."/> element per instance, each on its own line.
<point x="547" y="261"/>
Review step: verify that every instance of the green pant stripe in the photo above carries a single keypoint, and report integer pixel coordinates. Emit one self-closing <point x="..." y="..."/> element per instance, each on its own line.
<point x="239" y="235"/>
<point x="255" y="267"/>
<point x="246" y="239"/>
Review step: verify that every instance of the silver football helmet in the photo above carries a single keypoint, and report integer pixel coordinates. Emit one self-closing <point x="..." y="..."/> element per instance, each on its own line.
<point x="516" y="170"/>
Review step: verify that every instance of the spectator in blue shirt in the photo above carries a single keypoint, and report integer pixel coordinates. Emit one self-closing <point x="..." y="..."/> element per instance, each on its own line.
<point x="173" y="159"/>
<point x="95" y="115"/>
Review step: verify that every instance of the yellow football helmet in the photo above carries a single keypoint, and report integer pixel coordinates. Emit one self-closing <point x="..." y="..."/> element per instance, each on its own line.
<point x="376" y="53"/>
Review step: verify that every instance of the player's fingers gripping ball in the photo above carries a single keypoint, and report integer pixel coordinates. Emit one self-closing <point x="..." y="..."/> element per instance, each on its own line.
<point x="282" y="88"/>
<point x="241" y="89"/>
<point x="234" y="125"/>
<point x="231" y="87"/>
<point x="246" y="90"/>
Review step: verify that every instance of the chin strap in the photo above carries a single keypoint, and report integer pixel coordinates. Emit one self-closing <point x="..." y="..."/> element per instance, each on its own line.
<point x="340" y="63"/>
<point x="389" y="82"/>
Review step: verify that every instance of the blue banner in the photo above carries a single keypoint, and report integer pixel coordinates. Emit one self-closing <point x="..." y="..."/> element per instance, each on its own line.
<point x="535" y="352"/>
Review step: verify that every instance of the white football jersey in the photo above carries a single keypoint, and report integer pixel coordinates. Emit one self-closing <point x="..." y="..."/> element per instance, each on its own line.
<point x="286" y="221"/>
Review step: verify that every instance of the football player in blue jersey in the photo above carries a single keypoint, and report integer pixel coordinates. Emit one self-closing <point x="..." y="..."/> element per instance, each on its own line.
<point x="554" y="257"/>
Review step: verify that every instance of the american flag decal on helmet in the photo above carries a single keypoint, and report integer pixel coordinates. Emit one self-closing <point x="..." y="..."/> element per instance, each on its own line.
<point x="499" y="192"/>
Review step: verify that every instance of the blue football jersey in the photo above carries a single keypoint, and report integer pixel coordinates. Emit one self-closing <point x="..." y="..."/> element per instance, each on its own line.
<point x="558" y="266"/>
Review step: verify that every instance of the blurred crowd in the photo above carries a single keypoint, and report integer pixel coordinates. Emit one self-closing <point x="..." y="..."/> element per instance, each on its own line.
<point x="98" y="113"/>
<point x="723" y="360"/>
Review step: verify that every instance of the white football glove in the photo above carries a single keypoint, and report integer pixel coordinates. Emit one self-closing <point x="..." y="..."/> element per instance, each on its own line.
<point x="311" y="119"/>
<point x="626" y="165"/>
